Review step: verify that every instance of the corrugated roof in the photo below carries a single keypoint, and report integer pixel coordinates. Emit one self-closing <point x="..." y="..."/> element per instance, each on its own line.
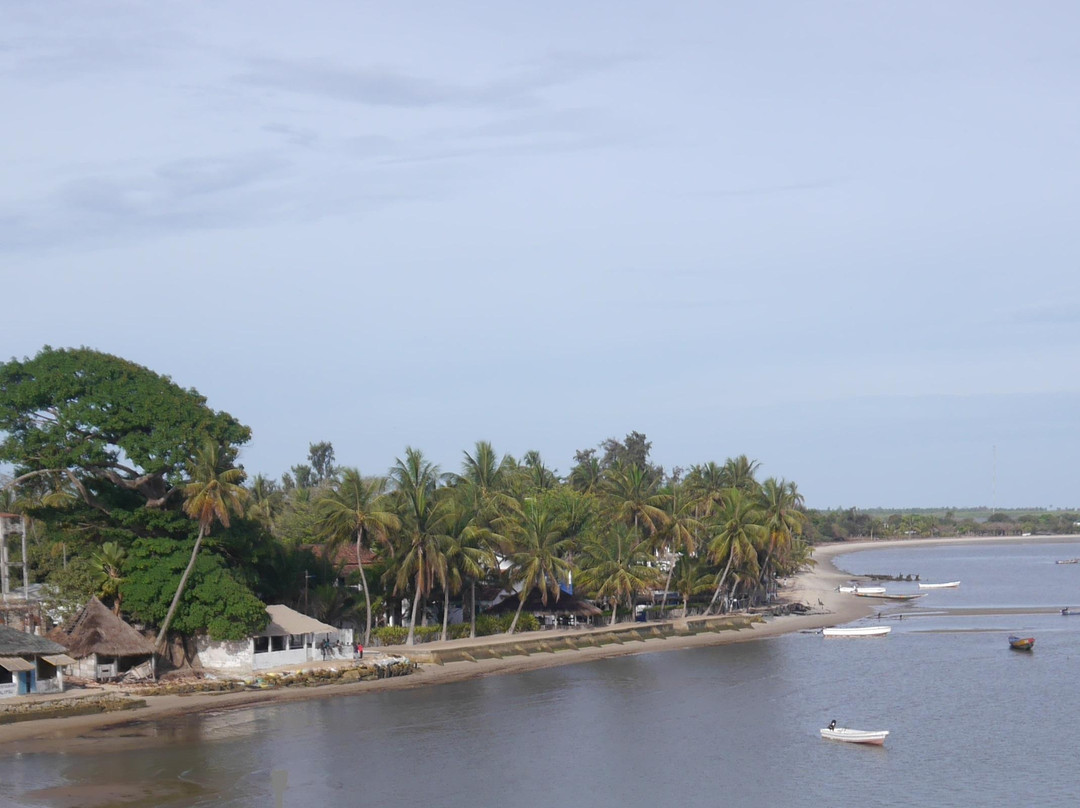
<point x="59" y="659"/>
<point x="18" y="643"/>
<point x="15" y="664"/>
<point x="284" y="620"/>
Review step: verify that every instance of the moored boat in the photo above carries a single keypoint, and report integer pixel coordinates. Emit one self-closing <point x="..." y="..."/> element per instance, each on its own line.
<point x="949" y="585"/>
<point x="855" y="589"/>
<point x="875" y="737"/>
<point x="1069" y="611"/>
<point x="885" y="596"/>
<point x="863" y="631"/>
<point x="1022" y="643"/>
<point x="1068" y="561"/>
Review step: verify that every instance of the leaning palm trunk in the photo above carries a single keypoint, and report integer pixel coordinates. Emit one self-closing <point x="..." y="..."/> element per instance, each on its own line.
<point x="367" y="597"/>
<point x="180" y="589"/>
<point x="412" y="623"/>
<point x="517" y="614"/>
<point x="667" y="586"/>
<point x="445" y="611"/>
<point x="472" y="610"/>
<point x="614" y="609"/>
<point x="719" y="586"/>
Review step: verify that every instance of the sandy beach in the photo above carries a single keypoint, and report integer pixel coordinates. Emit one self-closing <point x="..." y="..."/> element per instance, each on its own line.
<point x="816" y="588"/>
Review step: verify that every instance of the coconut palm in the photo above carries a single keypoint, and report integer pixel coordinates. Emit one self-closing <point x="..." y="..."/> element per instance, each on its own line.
<point x="616" y="567"/>
<point x="782" y="505"/>
<point x="636" y="499"/>
<point x="356" y="509"/>
<point x="738" y="533"/>
<point x="691" y="578"/>
<point x="535" y="545"/>
<point x="213" y="492"/>
<point x="468" y="550"/>
<point x="738" y="472"/>
<point x="109" y="565"/>
<point x="420" y="561"/>
<point x="681" y="532"/>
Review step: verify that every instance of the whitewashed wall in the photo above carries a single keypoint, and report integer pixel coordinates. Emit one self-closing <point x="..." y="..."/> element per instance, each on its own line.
<point x="225" y="655"/>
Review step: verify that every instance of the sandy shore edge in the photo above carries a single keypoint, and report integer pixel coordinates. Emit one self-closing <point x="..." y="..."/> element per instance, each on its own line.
<point x="816" y="587"/>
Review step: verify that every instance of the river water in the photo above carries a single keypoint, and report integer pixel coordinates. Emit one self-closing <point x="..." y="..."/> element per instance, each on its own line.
<point x="972" y="722"/>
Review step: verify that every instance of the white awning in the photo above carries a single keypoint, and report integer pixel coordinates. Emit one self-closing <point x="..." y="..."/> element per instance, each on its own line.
<point x="15" y="664"/>
<point x="59" y="659"/>
<point x="284" y="620"/>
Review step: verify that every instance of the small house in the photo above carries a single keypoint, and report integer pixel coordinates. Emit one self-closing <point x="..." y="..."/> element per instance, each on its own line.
<point x="290" y="638"/>
<point x="103" y="645"/>
<point x="30" y="664"/>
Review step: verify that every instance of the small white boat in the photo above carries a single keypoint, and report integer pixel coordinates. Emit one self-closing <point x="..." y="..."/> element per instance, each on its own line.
<point x="864" y="631"/>
<point x="1068" y="561"/>
<point x="875" y="737"/>
<point x="949" y="585"/>
<point x="855" y="589"/>
<point x="884" y="596"/>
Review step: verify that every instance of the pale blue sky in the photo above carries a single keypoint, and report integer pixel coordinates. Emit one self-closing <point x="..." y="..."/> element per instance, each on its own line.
<point x="839" y="238"/>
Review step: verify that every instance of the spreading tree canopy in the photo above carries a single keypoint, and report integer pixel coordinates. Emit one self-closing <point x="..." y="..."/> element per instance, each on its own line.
<point x="88" y="417"/>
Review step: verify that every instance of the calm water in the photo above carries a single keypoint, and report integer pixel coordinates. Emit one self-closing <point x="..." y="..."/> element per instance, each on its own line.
<point x="973" y="723"/>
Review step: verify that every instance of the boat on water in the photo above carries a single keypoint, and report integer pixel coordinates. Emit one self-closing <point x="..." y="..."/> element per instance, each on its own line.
<point x="1068" y="561"/>
<point x="1022" y="643"/>
<point x="1069" y="611"/>
<point x="949" y="585"/>
<point x="855" y="589"/>
<point x="864" y="631"/>
<point x="886" y="596"/>
<point x="845" y="735"/>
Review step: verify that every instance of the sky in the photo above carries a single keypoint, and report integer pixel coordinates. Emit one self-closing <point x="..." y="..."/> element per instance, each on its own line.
<point x="839" y="238"/>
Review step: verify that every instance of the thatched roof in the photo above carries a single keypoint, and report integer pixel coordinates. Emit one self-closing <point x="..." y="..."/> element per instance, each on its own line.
<point x="18" y="643"/>
<point x="96" y="630"/>
<point x="566" y="604"/>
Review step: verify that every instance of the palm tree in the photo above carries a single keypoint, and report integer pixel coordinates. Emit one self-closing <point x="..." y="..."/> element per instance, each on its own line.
<point x="467" y="547"/>
<point x="586" y="475"/>
<point x="421" y="561"/>
<point x="738" y="532"/>
<point x="213" y="493"/>
<point x="738" y="472"/>
<point x="266" y="500"/>
<point x="109" y="565"/>
<point x="616" y="567"/>
<point x="782" y="505"/>
<point x="356" y="509"/>
<point x="691" y="579"/>
<point x="535" y="544"/>
<point x="637" y="501"/>
<point x="682" y="529"/>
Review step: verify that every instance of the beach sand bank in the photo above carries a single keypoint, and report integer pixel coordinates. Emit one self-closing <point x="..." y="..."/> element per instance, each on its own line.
<point x="816" y="588"/>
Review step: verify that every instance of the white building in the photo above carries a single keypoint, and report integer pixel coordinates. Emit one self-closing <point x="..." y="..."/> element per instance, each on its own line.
<point x="290" y="638"/>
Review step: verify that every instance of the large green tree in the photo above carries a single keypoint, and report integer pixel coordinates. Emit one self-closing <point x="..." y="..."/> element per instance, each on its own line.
<point x="102" y="421"/>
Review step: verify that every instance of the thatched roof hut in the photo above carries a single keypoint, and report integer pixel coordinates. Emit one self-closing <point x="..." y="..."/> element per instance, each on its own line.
<point x="15" y="643"/>
<point x="96" y="634"/>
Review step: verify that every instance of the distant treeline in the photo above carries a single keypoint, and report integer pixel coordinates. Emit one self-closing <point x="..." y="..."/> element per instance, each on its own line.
<point x="849" y="523"/>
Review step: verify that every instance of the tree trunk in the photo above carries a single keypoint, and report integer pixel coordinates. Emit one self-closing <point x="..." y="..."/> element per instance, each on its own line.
<point x="180" y="588"/>
<point x="614" y="610"/>
<point x="445" y="611"/>
<point x="719" y="586"/>
<point x="517" y="614"/>
<point x="412" y="623"/>
<point x="367" y="597"/>
<point x="685" y="606"/>
<point x="472" y="610"/>
<point x="667" y="586"/>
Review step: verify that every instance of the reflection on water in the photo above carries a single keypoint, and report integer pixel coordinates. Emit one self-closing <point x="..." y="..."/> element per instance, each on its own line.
<point x="972" y="722"/>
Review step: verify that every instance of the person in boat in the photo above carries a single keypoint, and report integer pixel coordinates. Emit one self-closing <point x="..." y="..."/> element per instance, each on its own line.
<point x="832" y="724"/>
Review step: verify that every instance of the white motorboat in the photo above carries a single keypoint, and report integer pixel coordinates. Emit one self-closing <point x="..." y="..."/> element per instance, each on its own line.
<point x="949" y="585"/>
<point x="875" y="737"/>
<point x="855" y="589"/>
<point x="864" y="631"/>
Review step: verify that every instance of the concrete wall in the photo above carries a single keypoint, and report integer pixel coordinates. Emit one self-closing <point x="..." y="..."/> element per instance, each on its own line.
<point x="227" y="655"/>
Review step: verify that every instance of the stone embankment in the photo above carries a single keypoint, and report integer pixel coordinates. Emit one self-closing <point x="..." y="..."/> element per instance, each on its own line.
<point x="542" y="642"/>
<point x="15" y="711"/>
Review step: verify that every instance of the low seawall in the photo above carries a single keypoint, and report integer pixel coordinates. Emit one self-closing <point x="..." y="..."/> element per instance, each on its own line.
<point x="541" y="642"/>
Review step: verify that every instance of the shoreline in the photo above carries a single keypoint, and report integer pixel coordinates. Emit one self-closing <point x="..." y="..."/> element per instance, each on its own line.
<point x="815" y="587"/>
